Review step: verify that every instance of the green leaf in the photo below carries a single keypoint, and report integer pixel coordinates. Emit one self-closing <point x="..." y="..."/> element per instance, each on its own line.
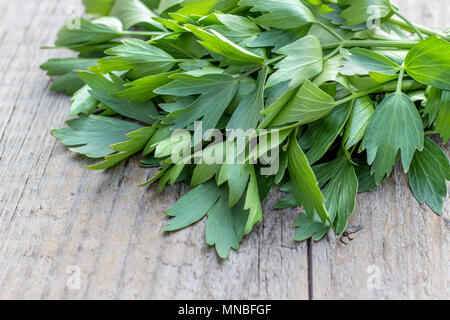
<point x="67" y="68"/>
<point x="111" y="22"/>
<point x="199" y="68"/>
<point x="309" y="228"/>
<point x="225" y="226"/>
<point x="88" y="32"/>
<point x="94" y="50"/>
<point x="166" y="147"/>
<point x="253" y="202"/>
<point x="203" y="173"/>
<point x="275" y="107"/>
<point x="305" y="183"/>
<point x="167" y="4"/>
<point x="361" y="11"/>
<point x="289" y="200"/>
<point x="330" y="72"/>
<point x="182" y="46"/>
<point x="137" y="142"/>
<point x="282" y="168"/>
<point x="102" y="88"/>
<point x="341" y="187"/>
<point x="429" y="171"/>
<point x="381" y="77"/>
<point x="247" y="86"/>
<point x="83" y="102"/>
<point x="324" y="132"/>
<point x="303" y="61"/>
<point x="134" y="12"/>
<point x="395" y="125"/>
<point x="179" y="103"/>
<point x="355" y="130"/>
<point x="151" y="162"/>
<point x="363" y="83"/>
<point x="328" y="39"/>
<point x="265" y="184"/>
<point x="366" y="181"/>
<point x="309" y="104"/>
<point x="239" y="30"/>
<point x="359" y="61"/>
<point x="137" y="55"/>
<point x="340" y="191"/>
<point x="152" y="4"/>
<point x="170" y="176"/>
<point x="171" y="25"/>
<point x="69" y="83"/>
<point x="335" y="18"/>
<point x="432" y="104"/>
<point x="141" y="90"/>
<point x="193" y="206"/>
<point x="237" y="176"/>
<point x="268" y="141"/>
<point x="101" y="7"/>
<point x="417" y="96"/>
<point x="248" y="113"/>
<point x="428" y="62"/>
<point x="161" y="133"/>
<point x="286" y="14"/>
<point x="443" y="119"/>
<point x="216" y="90"/>
<point x="203" y="7"/>
<point x="278" y="38"/>
<point x="94" y="135"/>
<point x="217" y="43"/>
<point x="59" y="67"/>
<point x="156" y="177"/>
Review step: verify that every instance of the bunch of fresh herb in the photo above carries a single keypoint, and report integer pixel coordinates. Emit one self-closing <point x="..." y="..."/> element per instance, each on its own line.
<point x="340" y="90"/>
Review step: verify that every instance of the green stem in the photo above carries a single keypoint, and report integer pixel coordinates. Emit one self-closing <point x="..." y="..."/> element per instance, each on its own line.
<point x="409" y="23"/>
<point x="353" y="96"/>
<point x="141" y="33"/>
<point x="329" y="30"/>
<point x="353" y="149"/>
<point x="237" y="10"/>
<point x="347" y="153"/>
<point x="400" y="44"/>
<point x="400" y="80"/>
<point x="406" y="85"/>
<point x="275" y="60"/>
<point x="248" y="73"/>
<point x="424" y="30"/>
<point x="430" y="133"/>
<point x="182" y="60"/>
<point x="333" y="53"/>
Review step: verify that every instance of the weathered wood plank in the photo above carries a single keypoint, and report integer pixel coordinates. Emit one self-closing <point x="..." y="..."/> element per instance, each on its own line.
<point x="433" y="14"/>
<point x="55" y="215"/>
<point x="402" y="252"/>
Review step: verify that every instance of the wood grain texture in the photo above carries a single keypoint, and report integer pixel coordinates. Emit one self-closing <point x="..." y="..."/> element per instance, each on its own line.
<point x="54" y="214"/>
<point x="394" y="248"/>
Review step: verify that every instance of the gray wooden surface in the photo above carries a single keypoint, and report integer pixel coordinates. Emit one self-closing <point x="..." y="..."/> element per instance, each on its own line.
<point x="58" y="220"/>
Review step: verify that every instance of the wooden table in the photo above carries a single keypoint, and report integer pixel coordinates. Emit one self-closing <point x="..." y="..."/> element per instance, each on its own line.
<point x="58" y="220"/>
